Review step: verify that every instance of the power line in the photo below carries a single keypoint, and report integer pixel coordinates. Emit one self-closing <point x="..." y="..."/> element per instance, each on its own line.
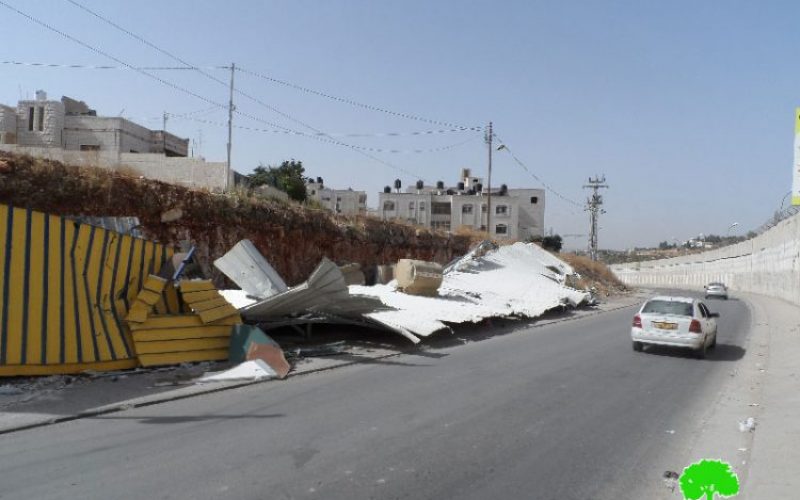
<point x="254" y="99"/>
<point x="325" y="136"/>
<point x="519" y="162"/>
<point x="175" y="86"/>
<point x="92" y="66"/>
<point x="347" y="101"/>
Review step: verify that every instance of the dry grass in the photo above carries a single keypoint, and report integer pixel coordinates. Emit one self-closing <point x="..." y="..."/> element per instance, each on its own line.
<point x="593" y="274"/>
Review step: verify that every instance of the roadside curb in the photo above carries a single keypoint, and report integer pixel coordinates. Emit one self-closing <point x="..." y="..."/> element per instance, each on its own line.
<point x="170" y="396"/>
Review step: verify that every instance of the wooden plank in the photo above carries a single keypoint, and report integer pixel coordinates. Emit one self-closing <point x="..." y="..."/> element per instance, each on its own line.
<point x="182" y="345"/>
<point x="188" y="286"/>
<point x="155" y="283"/>
<point x="149" y="297"/>
<point x="138" y="312"/>
<point x="218" y="313"/>
<point x="178" y="321"/>
<point x="194" y="332"/>
<point x="208" y="304"/>
<point x="175" y="358"/>
<point x="193" y="297"/>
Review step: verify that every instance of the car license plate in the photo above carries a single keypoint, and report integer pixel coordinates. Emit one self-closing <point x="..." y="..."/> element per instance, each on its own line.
<point x="665" y="326"/>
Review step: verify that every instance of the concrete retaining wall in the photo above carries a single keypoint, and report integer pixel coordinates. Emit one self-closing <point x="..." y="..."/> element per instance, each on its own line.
<point x="768" y="264"/>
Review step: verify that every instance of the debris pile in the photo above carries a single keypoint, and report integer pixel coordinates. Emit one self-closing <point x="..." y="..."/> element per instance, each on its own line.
<point x="519" y="281"/>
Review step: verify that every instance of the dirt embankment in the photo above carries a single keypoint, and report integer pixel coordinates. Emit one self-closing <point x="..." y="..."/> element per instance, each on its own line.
<point x="593" y="274"/>
<point x="293" y="238"/>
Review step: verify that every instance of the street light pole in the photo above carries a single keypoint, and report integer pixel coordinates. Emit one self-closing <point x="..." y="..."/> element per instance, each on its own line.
<point x="489" y="184"/>
<point x="731" y="227"/>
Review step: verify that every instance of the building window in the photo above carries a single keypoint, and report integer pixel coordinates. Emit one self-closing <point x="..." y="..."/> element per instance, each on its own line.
<point x="501" y="209"/>
<point x="410" y="206"/>
<point x="313" y="192"/>
<point x="30" y="119"/>
<point x="501" y="229"/>
<point x="440" y="208"/>
<point x="89" y="147"/>
<point x="40" y="120"/>
<point x="441" y="225"/>
<point x="466" y="209"/>
<point x="534" y="200"/>
<point x="422" y="206"/>
<point x="483" y="208"/>
<point x="388" y="206"/>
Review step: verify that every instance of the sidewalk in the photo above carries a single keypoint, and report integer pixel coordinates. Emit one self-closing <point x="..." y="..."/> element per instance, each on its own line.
<point x="49" y="400"/>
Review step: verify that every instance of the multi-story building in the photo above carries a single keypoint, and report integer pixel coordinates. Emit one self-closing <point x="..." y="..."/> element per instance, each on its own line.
<point x="517" y="213"/>
<point x="340" y="201"/>
<point x="68" y="130"/>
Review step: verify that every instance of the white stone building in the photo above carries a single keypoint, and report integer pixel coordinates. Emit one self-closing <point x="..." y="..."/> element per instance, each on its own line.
<point x="517" y="213"/>
<point x="71" y="132"/>
<point x="340" y="201"/>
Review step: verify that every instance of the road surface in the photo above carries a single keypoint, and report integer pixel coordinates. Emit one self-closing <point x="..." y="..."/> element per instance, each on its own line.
<point x="563" y="411"/>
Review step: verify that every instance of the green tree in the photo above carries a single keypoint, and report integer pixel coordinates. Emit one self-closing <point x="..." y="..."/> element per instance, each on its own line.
<point x="707" y="478"/>
<point x="552" y="243"/>
<point x="287" y="177"/>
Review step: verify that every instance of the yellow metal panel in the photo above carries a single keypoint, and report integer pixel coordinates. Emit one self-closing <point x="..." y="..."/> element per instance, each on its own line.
<point x="119" y="285"/>
<point x="138" y="312"/>
<point x="209" y="304"/>
<point x="191" y="298"/>
<point x="71" y="333"/>
<point x="182" y="321"/>
<point x="54" y="297"/>
<point x="3" y="218"/>
<point x="149" y="297"/>
<point x="174" y="358"/>
<point x="98" y="330"/>
<point x="69" y="368"/>
<point x="182" y="345"/>
<point x="218" y="313"/>
<point x="187" y="286"/>
<point x="113" y="332"/>
<point x="82" y="252"/>
<point x="36" y="273"/>
<point x="155" y="283"/>
<point x="191" y="332"/>
<point x="16" y="305"/>
<point x="133" y="280"/>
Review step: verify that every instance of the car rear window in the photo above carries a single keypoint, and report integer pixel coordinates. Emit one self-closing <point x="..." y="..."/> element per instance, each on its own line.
<point x="668" y="307"/>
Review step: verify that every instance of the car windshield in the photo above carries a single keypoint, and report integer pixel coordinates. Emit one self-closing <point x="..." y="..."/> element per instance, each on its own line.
<point x="668" y="307"/>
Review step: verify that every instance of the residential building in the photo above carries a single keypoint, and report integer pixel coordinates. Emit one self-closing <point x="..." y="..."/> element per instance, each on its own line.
<point x="340" y="201"/>
<point x="517" y="213"/>
<point x="70" y="131"/>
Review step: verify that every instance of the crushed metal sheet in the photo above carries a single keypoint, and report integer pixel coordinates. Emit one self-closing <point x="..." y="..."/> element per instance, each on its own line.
<point x="512" y="281"/>
<point x="246" y="267"/>
<point x="324" y="292"/>
<point x="253" y="370"/>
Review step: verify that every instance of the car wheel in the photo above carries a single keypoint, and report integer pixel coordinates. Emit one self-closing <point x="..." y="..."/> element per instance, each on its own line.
<point x="701" y="352"/>
<point x="637" y="346"/>
<point x="713" y="342"/>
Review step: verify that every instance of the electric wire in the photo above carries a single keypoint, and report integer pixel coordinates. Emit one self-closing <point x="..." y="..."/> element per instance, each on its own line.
<point x="178" y="87"/>
<point x="347" y="101"/>
<point x="254" y="99"/>
<point x="524" y="167"/>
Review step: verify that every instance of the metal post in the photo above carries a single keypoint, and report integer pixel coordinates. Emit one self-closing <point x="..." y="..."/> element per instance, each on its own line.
<point x="230" y="131"/>
<point x="164" y="135"/>
<point x="489" y="184"/>
<point x="593" y="207"/>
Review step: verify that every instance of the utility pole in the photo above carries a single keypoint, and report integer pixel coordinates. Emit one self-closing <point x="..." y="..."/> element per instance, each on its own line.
<point x="489" y="184"/>
<point x="164" y="134"/>
<point x="230" y="131"/>
<point x="593" y="205"/>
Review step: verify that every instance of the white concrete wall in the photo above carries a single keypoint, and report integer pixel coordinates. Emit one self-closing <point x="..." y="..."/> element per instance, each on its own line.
<point x="768" y="264"/>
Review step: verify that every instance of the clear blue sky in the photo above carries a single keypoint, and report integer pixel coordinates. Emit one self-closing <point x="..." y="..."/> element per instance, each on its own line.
<point x="685" y="106"/>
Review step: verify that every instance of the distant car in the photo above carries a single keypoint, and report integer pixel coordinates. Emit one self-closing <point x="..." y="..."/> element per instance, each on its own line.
<point x="676" y="322"/>
<point x="716" y="289"/>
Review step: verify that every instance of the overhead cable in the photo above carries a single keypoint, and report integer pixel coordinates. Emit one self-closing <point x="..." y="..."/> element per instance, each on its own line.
<point x="207" y="75"/>
<point x="524" y="167"/>
<point x="347" y="101"/>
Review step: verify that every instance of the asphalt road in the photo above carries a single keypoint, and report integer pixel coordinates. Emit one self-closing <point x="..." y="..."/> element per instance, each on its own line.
<point x="564" y="411"/>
